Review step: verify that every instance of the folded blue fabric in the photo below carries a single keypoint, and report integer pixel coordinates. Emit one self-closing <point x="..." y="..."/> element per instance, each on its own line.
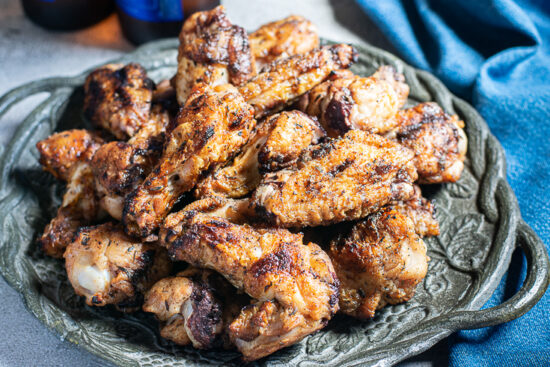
<point x="496" y="54"/>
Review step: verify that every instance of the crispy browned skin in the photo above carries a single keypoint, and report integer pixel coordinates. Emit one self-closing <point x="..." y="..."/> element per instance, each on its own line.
<point x="341" y="179"/>
<point x="270" y="265"/>
<point x="214" y="124"/>
<point x="106" y="267"/>
<point x="66" y="155"/>
<point x="119" y="166"/>
<point x="118" y="98"/>
<point x="437" y="139"/>
<point x="293" y="131"/>
<point x="283" y="38"/>
<point x="275" y="144"/>
<point x="265" y="327"/>
<point x="380" y="261"/>
<point x="61" y="151"/>
<point x="212" y="51"/>
<point x="280" y="83"/>
<point x="421" y="211"/>
<point x="351" y="102"/>
<point x="187" y="307"/>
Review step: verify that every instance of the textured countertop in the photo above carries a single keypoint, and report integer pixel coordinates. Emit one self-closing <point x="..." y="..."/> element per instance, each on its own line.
<point x="28" y="52"/>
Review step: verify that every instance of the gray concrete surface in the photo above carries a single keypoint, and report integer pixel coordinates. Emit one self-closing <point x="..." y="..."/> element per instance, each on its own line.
<point x="28" y="52"/>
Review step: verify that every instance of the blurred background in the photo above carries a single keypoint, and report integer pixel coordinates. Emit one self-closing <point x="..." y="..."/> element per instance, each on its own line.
<point x="494" y="53"/>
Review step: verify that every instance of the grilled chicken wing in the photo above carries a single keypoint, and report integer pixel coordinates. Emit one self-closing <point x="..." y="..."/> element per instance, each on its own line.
<point x="281" y="39"/>
<point x="118" y="98"/>
<point x="212" y="51"/>
<point x="341" y="179"/>
<point x="119" y="166"/>
<point x="60" y="152"/>
<point x="421" y="211"/>
<point x="273" y="266"/>
<point x="349" y="102"/>
<point x="275" y="144"/>
<point x="188" y="308"/>
<point x="437" y="139"/>
<point x="380" y="261"/>
<point x="107" y="267"/>
<point x="265" y="327"/>
<point x="66" y="155"/>
<point x="280" y="83"/>
<point x="214" y="124"/>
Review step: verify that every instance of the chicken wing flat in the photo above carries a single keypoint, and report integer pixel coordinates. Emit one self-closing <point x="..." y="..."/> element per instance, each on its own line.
<point x="187" y="307"/>
<point x="349" y="102"/>
<point x="66" y="155"/>
<point x="275" y="144"/>
<point x="437" y="139"/>
<point x="270" y="265"/>
<point x="380" y="261"/>
<point x="214" y="124"/>
<point x="119" y="166"/>
<point x="283" y="38"/>
<point x="118" y="98"/>
<point x="212" y="51"/>
<point x="280" y="83"/>
<point x="107" y="267"/>
<point x="341" y="179"/>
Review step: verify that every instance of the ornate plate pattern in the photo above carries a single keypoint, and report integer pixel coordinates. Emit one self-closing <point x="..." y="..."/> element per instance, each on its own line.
<point x="480" y="224"/>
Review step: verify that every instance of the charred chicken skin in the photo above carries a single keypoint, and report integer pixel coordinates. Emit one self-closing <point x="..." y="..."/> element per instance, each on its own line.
<point x="212" y="51"/>
<point x="119" y="166"/>
<point x="283" y="38"/>
<point x="283" y="81"/>
<point x="437" y="139"/>
<point x="380" y="261"/>
<point x="214" y="124"/>
<point x="276" y="143"/>
<point x="66" y="155"/>
<point x="338" y="180"/>
<point x="106" y="267"/>
<point x="118" y="98"/>
<point x="347" y="101"/>
<point x="272" y="266"/>
<point x="187" y="307"/>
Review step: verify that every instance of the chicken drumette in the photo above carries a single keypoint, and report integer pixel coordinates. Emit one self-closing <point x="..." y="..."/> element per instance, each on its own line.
<point x="276" y="143"/>
<point x="283" y="38"/>
<point x="212" y="51"/>
<point x="294" y="284"/>
<point x="347" y="101"/>
<point x="421" y="211"/>
<point x="118" y="98"/>
<point x="212" y="126"/>
<point x="187" y="307"/>
<point x="106" y="267"/>
<point x="380" y="261"/>
<point x="437" y="139"/>
<point x="338" y="180"/>
<point x="67" y="155"/>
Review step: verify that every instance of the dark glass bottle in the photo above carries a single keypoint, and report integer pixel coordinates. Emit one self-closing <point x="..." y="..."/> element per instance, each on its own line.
<point x="147" y="20"/>
<point x="67" y="14"/>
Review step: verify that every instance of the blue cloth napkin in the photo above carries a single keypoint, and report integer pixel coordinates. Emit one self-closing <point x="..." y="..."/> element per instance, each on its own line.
<point x="496" y="54"/>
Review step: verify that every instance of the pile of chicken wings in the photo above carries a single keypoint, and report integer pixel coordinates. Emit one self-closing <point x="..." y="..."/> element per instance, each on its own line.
<point x="257" y="139"/>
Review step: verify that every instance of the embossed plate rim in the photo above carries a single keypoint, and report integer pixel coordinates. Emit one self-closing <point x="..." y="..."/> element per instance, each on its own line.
<point x="494" y="183"/>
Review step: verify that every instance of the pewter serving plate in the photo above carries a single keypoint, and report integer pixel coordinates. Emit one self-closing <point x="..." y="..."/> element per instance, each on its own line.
<point x="480" y="227"/>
